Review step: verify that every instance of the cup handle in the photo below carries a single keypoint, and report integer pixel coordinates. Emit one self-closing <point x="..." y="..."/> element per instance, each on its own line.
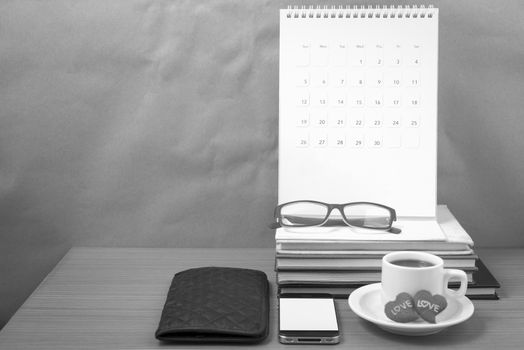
<point x="451" y="273"/>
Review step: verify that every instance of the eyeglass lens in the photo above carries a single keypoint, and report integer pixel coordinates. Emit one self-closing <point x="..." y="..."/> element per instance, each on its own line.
<point x="367" y="215"/>
<point x="303" y="214"/>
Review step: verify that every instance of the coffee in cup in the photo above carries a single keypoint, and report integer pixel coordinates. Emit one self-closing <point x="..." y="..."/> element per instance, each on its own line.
<point x="412" y="263"/>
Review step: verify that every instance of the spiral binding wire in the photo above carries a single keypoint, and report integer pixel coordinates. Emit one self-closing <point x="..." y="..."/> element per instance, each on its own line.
<point x="355" y="11"/>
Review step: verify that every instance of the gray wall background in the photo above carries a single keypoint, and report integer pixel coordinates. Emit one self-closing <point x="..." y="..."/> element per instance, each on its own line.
<point x="154" y="123"/>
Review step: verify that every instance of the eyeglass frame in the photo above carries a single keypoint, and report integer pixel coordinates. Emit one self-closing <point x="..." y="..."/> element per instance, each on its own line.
<point x="330" y="207"/>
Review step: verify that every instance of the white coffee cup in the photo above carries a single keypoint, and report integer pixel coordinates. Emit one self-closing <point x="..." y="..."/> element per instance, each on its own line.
<point x="433" y="278"/>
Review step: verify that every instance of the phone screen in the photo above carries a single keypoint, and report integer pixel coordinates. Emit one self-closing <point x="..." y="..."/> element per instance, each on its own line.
<point x="308" y="319"/>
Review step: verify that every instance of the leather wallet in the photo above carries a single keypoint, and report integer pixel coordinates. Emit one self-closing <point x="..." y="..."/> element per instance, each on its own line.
<point x="216" y="305"/>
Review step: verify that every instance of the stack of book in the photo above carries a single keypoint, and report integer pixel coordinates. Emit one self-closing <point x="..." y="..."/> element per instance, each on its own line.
<point x="337" y="261"/>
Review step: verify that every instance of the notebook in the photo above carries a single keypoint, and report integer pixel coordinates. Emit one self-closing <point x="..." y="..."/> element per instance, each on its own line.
<point x="289" y="262"/>
<point x="358" y="106"/>
<point x="334" y="277"/>
<point x="483" y="286"/>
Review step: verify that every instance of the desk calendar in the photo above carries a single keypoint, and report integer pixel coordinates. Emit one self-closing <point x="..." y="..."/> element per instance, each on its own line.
<point x="358" y="106"/>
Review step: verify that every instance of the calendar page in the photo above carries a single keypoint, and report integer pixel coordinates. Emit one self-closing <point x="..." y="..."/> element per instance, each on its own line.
<point x="358" y="107"/>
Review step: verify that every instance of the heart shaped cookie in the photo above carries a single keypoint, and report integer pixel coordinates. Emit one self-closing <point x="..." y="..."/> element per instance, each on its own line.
<point x="401" y="309"/>
<point x="429" y="306"/>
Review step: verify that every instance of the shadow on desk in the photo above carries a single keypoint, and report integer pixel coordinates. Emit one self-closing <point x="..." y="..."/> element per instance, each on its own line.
<point x="454" y="336"/>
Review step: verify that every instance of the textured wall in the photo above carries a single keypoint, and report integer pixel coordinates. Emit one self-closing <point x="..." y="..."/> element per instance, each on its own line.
<point x="154" y="123"/>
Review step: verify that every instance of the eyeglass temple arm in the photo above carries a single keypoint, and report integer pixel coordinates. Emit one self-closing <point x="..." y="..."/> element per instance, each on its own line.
<point x="274" y="225"/>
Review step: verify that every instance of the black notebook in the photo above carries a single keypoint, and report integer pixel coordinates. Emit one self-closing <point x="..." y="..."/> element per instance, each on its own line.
<point x="484" y="285"/>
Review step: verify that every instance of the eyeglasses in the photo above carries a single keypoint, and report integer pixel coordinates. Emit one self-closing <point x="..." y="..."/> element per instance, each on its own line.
<point x="305" y="213"/>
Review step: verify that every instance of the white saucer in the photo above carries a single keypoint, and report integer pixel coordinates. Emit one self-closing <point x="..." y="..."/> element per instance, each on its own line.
<point x="366" y="303"/>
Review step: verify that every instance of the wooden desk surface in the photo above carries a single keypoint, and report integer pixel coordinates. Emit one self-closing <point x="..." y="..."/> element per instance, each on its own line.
<point x="111" y="298"/>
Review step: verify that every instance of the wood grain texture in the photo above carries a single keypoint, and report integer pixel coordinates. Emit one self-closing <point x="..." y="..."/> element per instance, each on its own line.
<point x="111" y="298"/>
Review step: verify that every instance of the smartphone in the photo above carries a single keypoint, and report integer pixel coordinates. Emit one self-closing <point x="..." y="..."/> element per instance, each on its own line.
<point x="307" y="319"/>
